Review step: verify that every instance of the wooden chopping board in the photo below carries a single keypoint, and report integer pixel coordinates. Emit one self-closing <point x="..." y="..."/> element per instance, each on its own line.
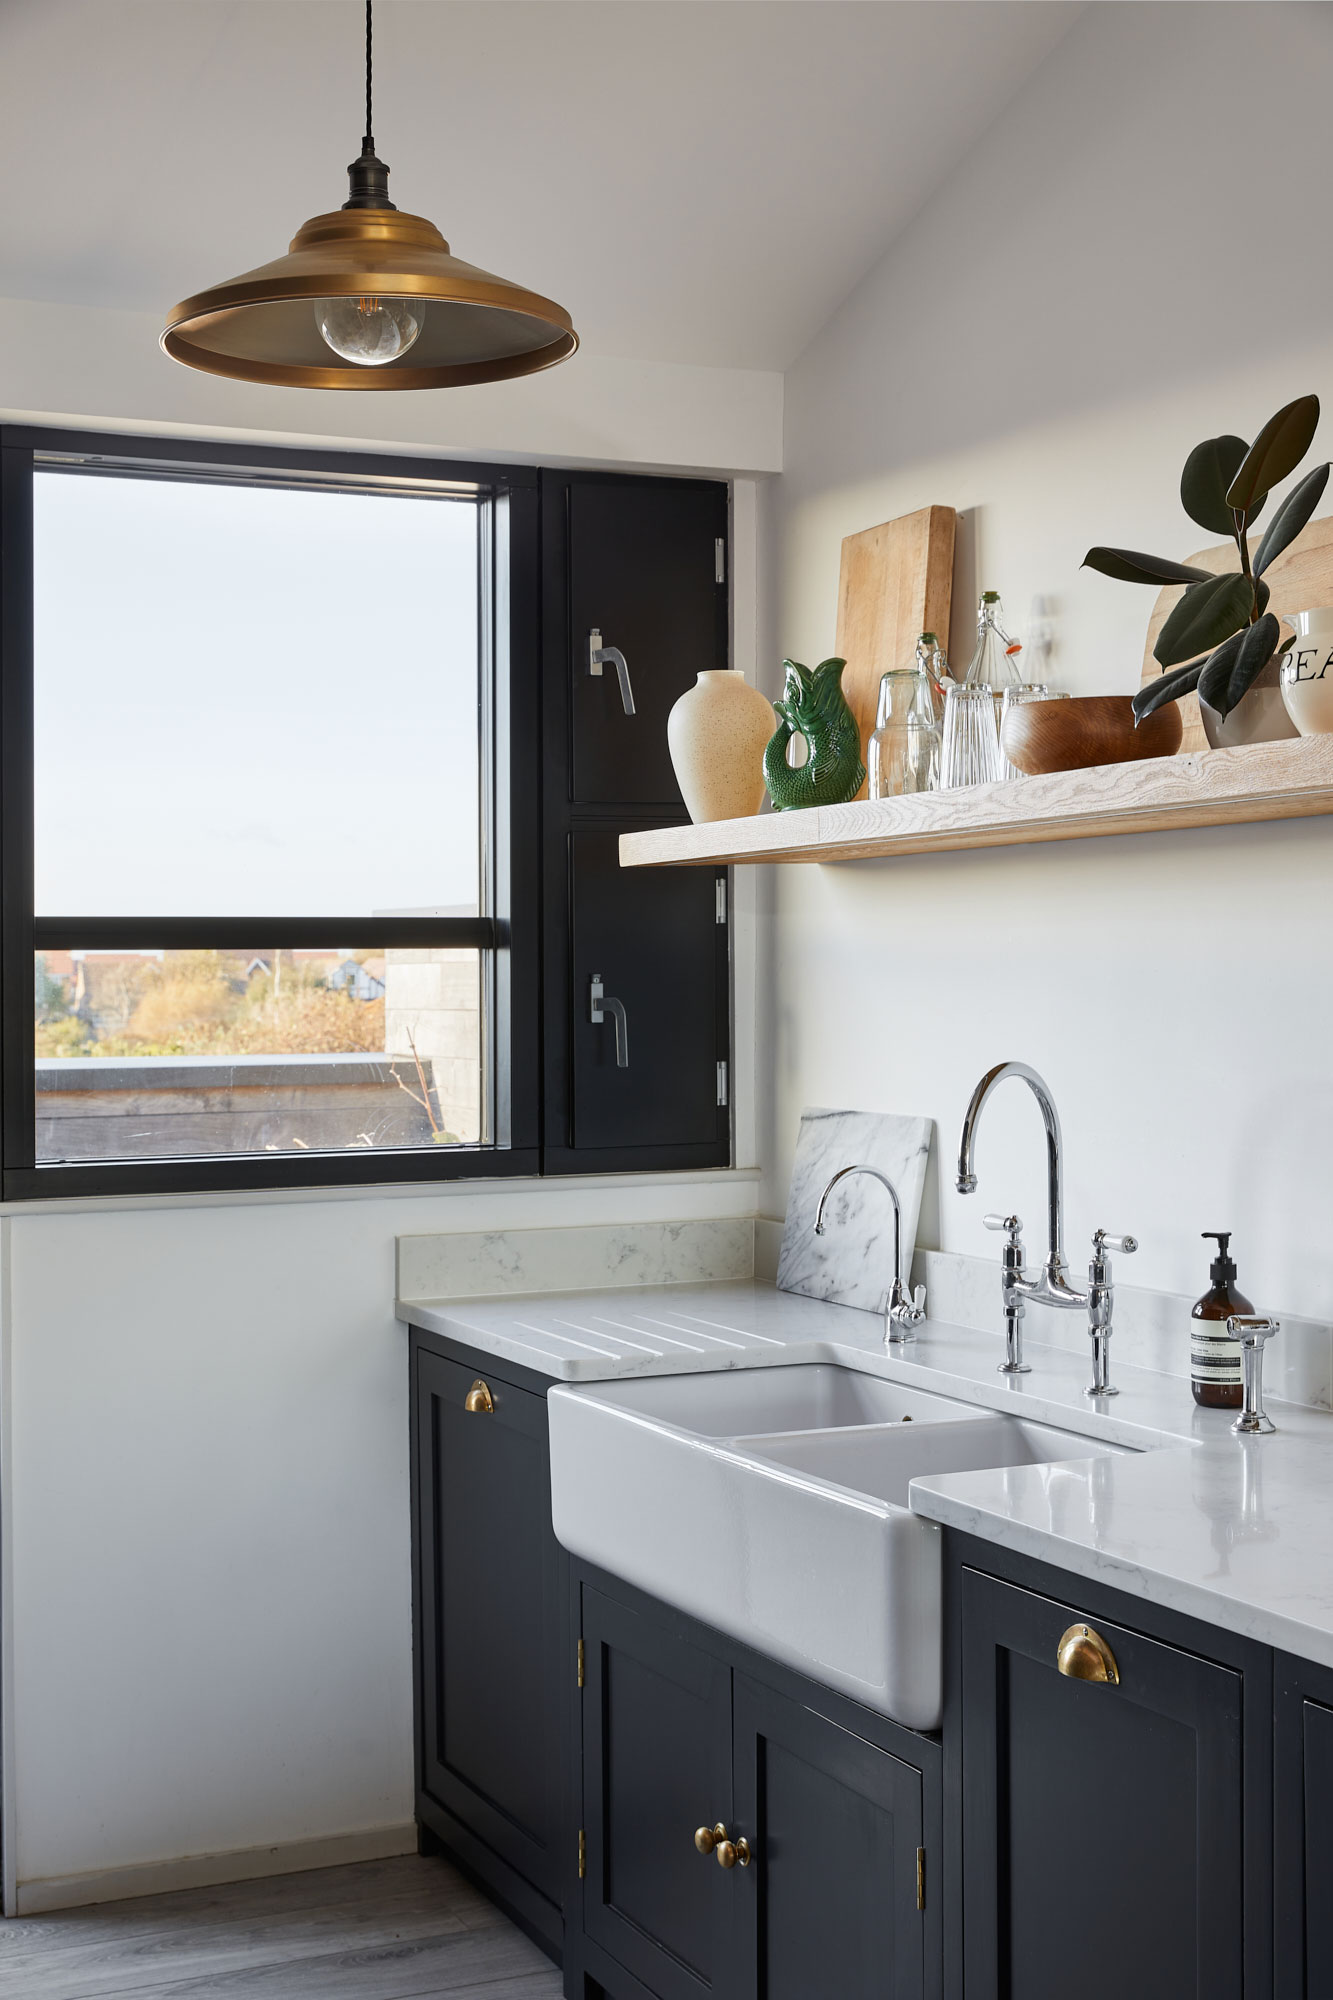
<point x="895" y="583"/>
<point x="1300" y="580"/>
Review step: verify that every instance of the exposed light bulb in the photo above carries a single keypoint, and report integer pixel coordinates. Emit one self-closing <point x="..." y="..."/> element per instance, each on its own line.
<point x="369" y="331"/>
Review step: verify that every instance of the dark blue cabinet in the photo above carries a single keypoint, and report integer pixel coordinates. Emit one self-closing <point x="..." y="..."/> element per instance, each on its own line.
<point x="491" y="1624"/>
<point x="681" y="1730"/>
<point x="1115" y="1834"/>
<point x="1303" y="1787"/>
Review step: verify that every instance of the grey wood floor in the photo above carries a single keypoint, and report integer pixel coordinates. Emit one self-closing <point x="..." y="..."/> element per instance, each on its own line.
<point x="405" y="1929"/>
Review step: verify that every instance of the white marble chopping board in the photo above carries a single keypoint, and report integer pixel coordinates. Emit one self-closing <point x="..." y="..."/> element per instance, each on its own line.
<point x="851" y="1264"/>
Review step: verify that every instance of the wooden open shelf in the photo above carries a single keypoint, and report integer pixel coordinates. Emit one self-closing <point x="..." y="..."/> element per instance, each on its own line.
<point x="1292" y="780"/>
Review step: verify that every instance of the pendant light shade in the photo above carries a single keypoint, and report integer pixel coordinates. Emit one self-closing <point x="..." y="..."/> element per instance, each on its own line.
<point x="368" y="298"/>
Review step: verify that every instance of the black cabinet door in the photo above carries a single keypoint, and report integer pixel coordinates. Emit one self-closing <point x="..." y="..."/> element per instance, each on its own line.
<point x="1303" y="1843"/>
<point x="1102" y="1824"/>
<point x="490" y="1580"/>
<point x="654" y="938"/>
<point x="643" y="570"/>
<point x="829" y="1902"/>
<point x="656" y="1766"/>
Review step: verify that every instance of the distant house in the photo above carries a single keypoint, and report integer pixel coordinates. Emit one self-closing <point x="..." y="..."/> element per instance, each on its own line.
<point x="357" y="980"/>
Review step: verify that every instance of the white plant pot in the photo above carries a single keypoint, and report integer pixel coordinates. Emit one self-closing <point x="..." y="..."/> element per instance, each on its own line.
<point x="1306" y="682"/>
<point x="1258" y="717"/>
<point x="717" y="734"/>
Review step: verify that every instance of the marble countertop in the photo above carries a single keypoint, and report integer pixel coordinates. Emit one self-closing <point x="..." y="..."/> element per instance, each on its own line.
<point x="1232" y="1531"/>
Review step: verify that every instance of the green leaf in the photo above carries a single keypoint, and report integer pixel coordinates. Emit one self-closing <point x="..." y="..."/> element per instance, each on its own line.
<point x="1209" y="471"/>
<point x="1242" y="659"/>
<point x="1291" y="517"/>
<point x="1278" y="450"/>
<point x="1215" y="673"/>
<point x="1169" y="687"/>
<point x="1206" y="614"/>
<point x="1261" y="595"/>
<point x="1128" y="566"/>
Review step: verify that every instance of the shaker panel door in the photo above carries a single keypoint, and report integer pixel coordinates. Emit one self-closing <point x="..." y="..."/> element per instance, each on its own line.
<point x="490" y="1579"/>
<point x="1303" y="1844"/>
<point x="654" y="937"/>
<point x="642" y="560"/>
<point x="656" y="1766"/>
<point x="1102" y="1824"/>
<point x="829" y="1902"/>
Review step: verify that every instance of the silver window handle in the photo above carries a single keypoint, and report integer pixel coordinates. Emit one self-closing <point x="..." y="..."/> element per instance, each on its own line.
<point x="599" y="656"/>
<point x="599" y="1003"/>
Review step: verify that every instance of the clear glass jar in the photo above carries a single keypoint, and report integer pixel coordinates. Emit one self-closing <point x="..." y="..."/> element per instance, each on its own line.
<point x="904" y="753"/>
<point x="933" y="662"/>
<point x="995" y="662"/>
<point x="971" y="750"/>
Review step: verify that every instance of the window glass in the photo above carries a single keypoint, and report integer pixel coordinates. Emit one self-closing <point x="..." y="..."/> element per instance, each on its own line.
<point x="253" y="700"/>
<point x="183" y="1054"/>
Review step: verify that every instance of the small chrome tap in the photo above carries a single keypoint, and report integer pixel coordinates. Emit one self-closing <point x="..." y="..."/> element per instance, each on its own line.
<point x="1052" y="1288"/>
<point x="1253" y="1334"/>
<point x="904" y="1312"/>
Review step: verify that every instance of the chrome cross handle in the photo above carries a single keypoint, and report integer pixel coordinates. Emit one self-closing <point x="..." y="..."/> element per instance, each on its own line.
<point x="1101" y="1299"/>
<point x="1252" y="1335"/>
<point x="1012" y="1276"/>
<point x="600" y="656"/>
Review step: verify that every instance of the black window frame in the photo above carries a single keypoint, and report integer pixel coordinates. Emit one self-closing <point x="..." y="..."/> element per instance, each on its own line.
<point x="508" y="937"/>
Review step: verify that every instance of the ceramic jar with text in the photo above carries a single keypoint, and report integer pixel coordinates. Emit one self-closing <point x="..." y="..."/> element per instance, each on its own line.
<point x="717" y="733"/>
<point x="1306" y="672"/>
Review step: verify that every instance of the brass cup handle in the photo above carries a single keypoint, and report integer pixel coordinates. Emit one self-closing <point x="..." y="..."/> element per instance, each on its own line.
<point x="479" y="1399"/>
<point x="1083" y="1655"/>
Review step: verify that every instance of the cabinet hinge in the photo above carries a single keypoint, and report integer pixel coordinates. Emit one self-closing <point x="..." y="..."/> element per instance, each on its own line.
<point x="580" y="1663"/>
<point x="720" y="900"/>
<point x="722" y="1083"/>
<point x="921" y="1878"/>
<point x="583" y="1854"/>
<point x="720" y="560"/>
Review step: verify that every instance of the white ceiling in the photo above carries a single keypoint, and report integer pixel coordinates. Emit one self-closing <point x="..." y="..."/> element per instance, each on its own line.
<point x="695" y="181"/>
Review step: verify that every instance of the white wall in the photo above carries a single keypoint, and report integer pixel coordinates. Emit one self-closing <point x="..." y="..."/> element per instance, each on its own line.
<point x="89" y="364"/>
<point x="1091" y="293"/>
<point x="208" y="1621"/>
<point x="207" y="1632"/>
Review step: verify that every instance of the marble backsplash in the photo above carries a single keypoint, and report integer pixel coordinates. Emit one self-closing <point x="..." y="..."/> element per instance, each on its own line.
<point x="1152" y="1329"/>
<point x="483" y="1263"/>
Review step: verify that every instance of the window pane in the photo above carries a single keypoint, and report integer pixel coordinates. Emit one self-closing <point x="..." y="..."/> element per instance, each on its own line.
<point x="253" y="700"/>
<point x="178" y="1054"/>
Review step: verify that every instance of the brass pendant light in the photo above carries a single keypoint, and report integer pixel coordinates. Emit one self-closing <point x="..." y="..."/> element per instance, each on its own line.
<point x="368" y="298"/>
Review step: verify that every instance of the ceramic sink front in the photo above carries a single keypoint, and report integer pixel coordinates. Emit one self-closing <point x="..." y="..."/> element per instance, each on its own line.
<point x="772" y="1504"/>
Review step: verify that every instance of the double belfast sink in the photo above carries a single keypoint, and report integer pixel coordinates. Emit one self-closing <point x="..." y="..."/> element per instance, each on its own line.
<point x="772" y="1504"/>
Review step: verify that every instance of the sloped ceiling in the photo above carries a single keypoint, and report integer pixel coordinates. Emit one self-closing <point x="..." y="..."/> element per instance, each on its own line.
<point x="697" y="182"/>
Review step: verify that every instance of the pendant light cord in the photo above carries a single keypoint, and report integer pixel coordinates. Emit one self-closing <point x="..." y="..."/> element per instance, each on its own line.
<point x="370" y="123"/>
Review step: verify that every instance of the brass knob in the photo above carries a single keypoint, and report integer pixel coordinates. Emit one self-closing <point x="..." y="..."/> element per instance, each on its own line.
<point x="707" y="1837"/>
<point x="1085" y="1656"/>
<point x="479" y="1398"/>
<point x="729" y="1852"/>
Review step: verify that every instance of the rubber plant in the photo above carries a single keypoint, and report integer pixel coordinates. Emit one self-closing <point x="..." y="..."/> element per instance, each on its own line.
<point x="1221" y="635"/>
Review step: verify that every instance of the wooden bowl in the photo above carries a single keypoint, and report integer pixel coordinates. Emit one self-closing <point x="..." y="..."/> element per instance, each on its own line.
<point x="1087" y="729"/>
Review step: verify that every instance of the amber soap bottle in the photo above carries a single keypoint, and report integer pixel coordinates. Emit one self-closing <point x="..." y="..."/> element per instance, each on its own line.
<point x="1214" y="1355"/>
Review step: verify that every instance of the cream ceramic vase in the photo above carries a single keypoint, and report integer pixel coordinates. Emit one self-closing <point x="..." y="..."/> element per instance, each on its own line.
<point x="717" y="734"/>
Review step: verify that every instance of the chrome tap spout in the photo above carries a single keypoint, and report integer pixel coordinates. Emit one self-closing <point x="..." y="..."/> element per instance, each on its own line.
<point x="904" y="1312"/>
<point x="1060" y="1291"/>
<point x="1052" y="1288"/>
